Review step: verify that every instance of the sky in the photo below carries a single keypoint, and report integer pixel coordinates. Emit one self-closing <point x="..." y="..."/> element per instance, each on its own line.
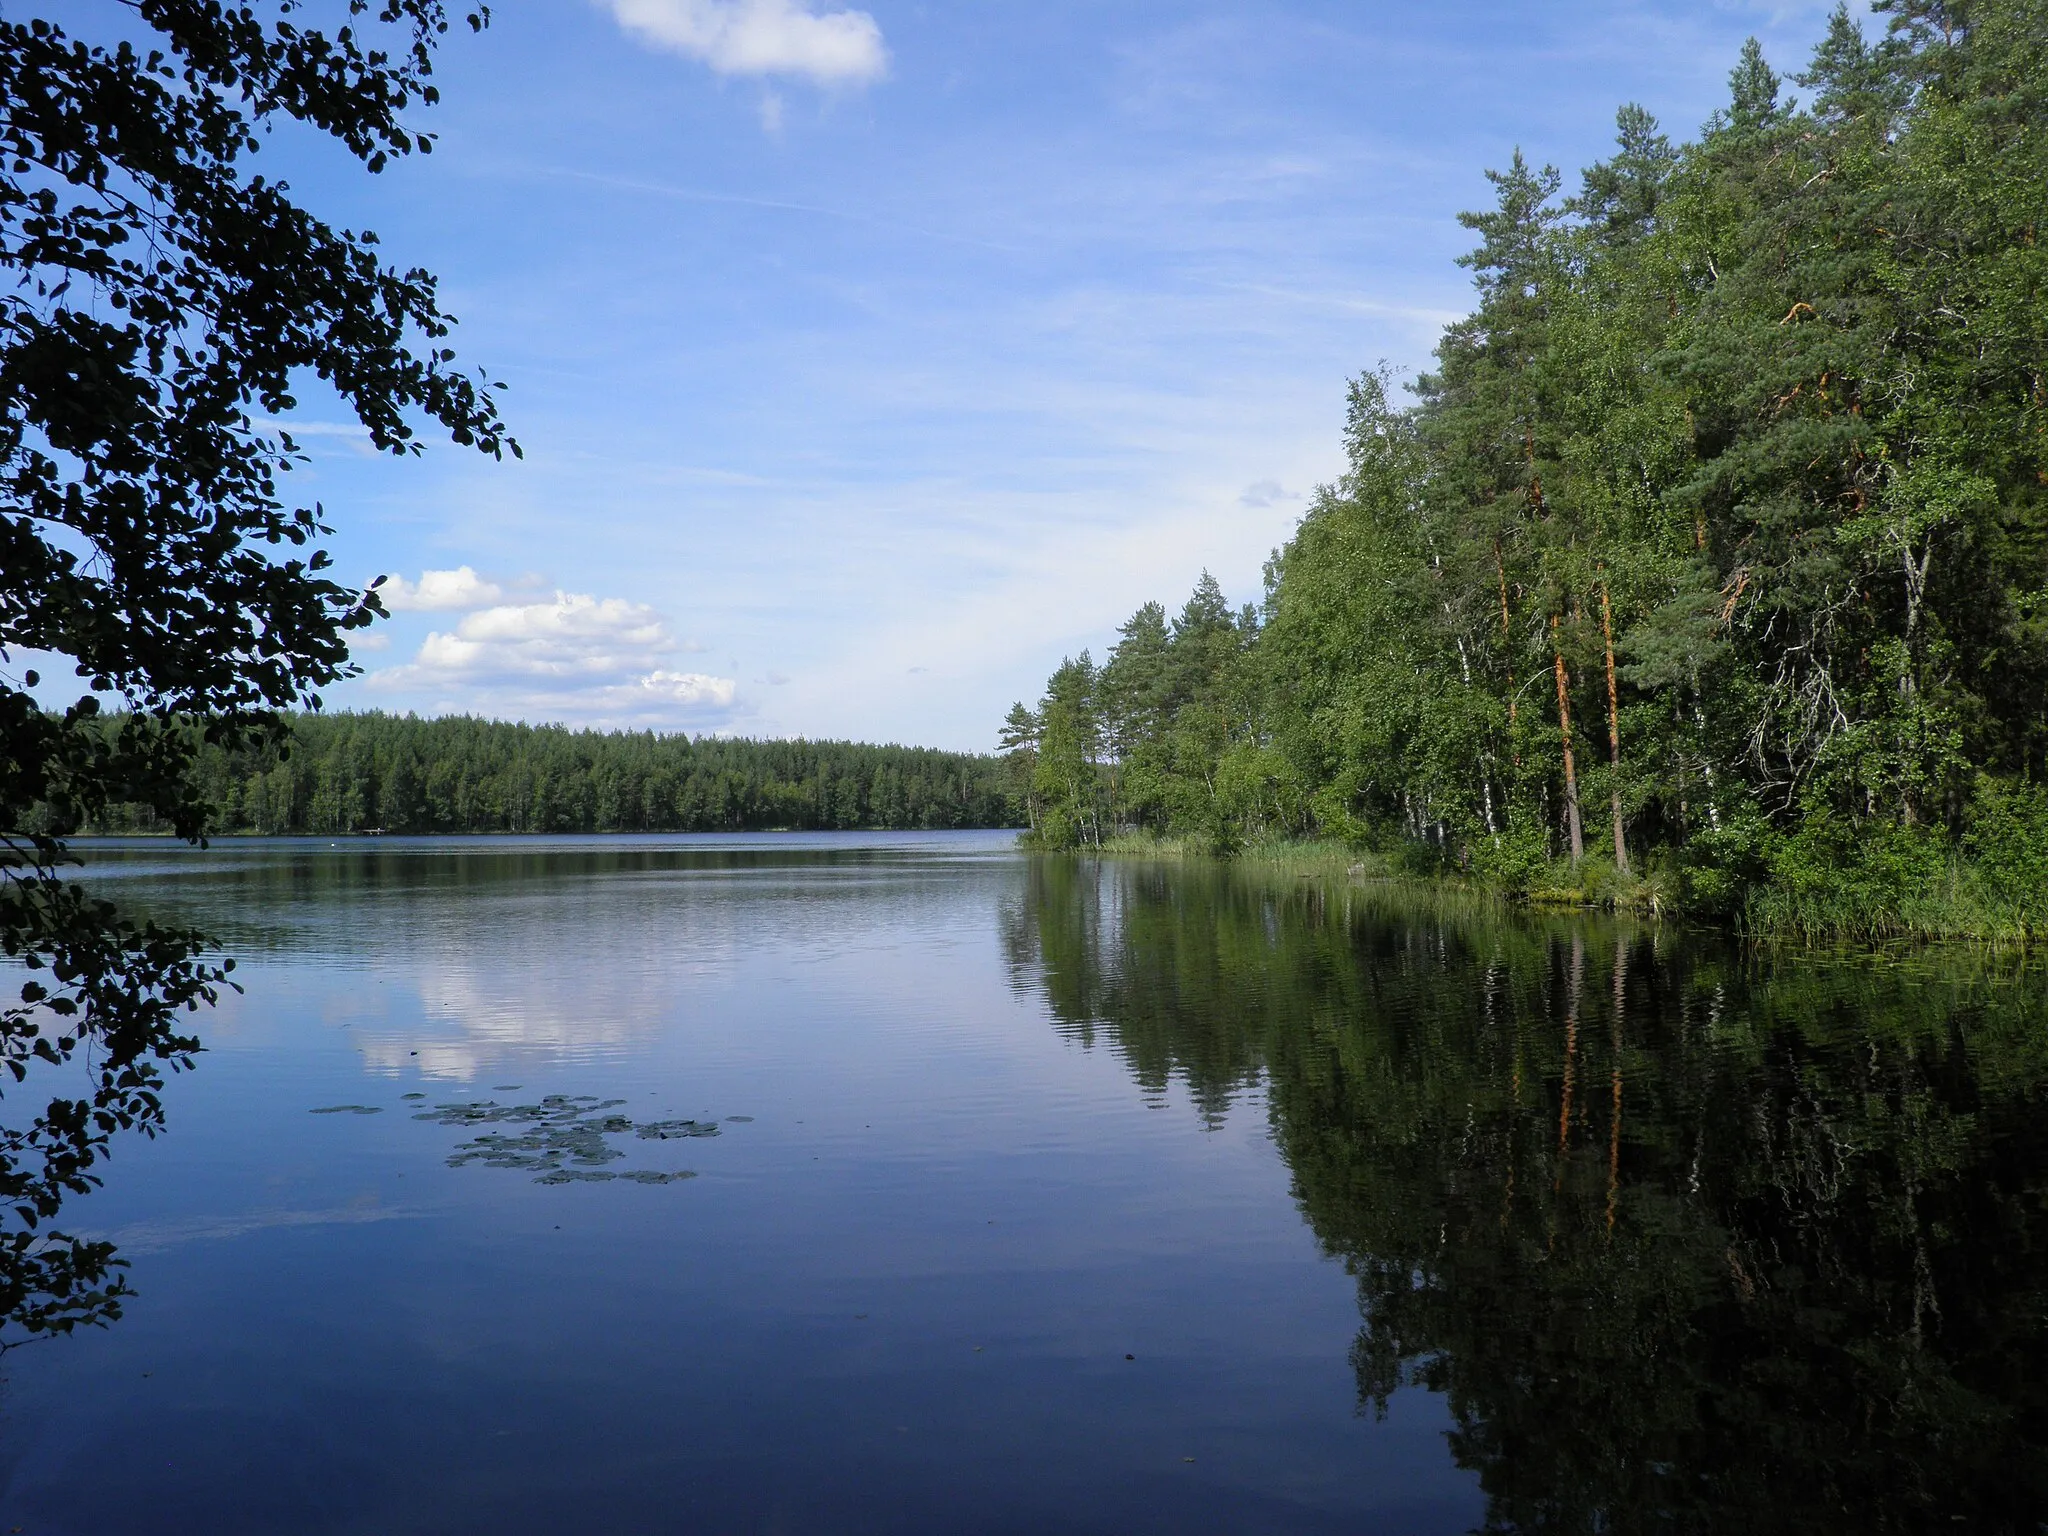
<point x="868" y="361"/>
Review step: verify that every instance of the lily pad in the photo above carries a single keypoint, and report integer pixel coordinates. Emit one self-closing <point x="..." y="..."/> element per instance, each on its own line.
<point x="560" y="1140"/>
<point x="674" y="1130"/>
<point x="346" y="1109"/>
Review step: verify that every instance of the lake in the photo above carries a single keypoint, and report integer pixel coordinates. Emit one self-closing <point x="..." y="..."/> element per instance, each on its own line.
<point x="910" y="1183"/>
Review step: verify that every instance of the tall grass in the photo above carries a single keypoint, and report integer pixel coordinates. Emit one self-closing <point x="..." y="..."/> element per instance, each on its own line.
<point x="1822" y="885"/>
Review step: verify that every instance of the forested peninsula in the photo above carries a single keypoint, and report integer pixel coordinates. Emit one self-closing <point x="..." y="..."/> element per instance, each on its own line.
<point x="1707" y="570"/>
<point x="343" y="773"/>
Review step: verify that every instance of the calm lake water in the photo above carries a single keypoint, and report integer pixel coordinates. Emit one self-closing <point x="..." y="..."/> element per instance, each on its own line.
<point x="1040" y="1195"/>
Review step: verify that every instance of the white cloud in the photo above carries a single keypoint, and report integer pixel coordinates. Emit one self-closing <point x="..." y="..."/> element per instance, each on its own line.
<point x="440" y="592"/>
<point x="572" y="656"/>
<point x="573" y="635"/>
<point x="763" y="37"/>
<point x="660" y="688"/>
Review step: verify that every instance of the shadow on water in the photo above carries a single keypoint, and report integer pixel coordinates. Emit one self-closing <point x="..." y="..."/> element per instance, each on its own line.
<point x="1691" y="1239"/>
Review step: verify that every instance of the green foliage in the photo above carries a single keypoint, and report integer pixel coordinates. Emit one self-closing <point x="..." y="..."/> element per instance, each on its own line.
<point x="2007" y="844"/>
<point x="1710" y="564"/>
<point x="1159" y="737"/>
<point x="165" y="306"/>
<point x="1873" y="880"/>
<point x="346" y="773"/>
<point x="1064" y="785"/>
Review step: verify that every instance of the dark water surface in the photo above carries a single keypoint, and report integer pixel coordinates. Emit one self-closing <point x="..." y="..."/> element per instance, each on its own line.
<point x="1039" y="1195"/>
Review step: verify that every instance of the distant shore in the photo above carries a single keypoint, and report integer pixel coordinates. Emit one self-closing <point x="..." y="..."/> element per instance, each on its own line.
<point x="379" y="834"/>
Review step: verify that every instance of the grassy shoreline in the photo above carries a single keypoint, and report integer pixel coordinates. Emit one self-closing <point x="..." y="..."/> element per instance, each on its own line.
<point x="1947" y="903"/>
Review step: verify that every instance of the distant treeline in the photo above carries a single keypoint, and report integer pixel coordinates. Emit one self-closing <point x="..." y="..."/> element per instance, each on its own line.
<point x="399" y="773"/>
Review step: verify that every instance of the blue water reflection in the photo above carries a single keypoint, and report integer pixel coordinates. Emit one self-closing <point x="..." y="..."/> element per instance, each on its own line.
<point x="940" y="1269"/>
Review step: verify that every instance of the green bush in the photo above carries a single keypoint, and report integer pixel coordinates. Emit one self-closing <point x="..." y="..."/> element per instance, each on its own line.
<point x="1862" y="879"/>
<point x="1514" y="860"/>
<point x="1718" y="867"/>
<point x="2006" y="844"/>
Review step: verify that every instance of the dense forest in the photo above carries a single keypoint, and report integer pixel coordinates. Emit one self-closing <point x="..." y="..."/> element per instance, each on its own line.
<point x="398" y="773"/>
<point x="1708" y="566"/>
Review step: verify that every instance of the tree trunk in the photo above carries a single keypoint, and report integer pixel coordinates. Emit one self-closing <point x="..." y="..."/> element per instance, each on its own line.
<point x="1500" y="570"/>
<point x="1613" y="731"/>
<point x="1573" y="829"/>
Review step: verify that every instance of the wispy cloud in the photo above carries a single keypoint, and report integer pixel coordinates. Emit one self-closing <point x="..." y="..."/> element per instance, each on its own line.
<point x="320" y="439"/>
<point x="1266" y="493"/>
<point x="313" y="428"/>
<point x="762" y="37"/>
<point x="1427" y="316"/>
<point x="155" y="1236"/>
<point x="870" y="220"/>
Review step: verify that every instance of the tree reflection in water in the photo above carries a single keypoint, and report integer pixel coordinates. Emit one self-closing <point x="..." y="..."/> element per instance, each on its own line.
<point x="1690" y="1238"/>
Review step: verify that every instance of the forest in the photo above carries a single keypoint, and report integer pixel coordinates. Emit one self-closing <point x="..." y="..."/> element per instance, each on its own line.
<point x="1707" y="567"/>
<point x="341" y="773"/>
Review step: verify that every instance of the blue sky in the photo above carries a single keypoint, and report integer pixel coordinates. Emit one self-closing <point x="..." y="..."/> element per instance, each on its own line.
<point x="869" y="360"/>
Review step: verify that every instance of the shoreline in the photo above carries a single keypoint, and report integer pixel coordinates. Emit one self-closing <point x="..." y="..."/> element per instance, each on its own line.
<point x="1771" y="915"/>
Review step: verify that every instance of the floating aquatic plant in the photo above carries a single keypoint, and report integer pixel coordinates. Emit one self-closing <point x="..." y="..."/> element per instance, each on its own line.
<point x="674" y="1130"/>
<point x="347" y="1109"/>
<point x="562" y="1138"/>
